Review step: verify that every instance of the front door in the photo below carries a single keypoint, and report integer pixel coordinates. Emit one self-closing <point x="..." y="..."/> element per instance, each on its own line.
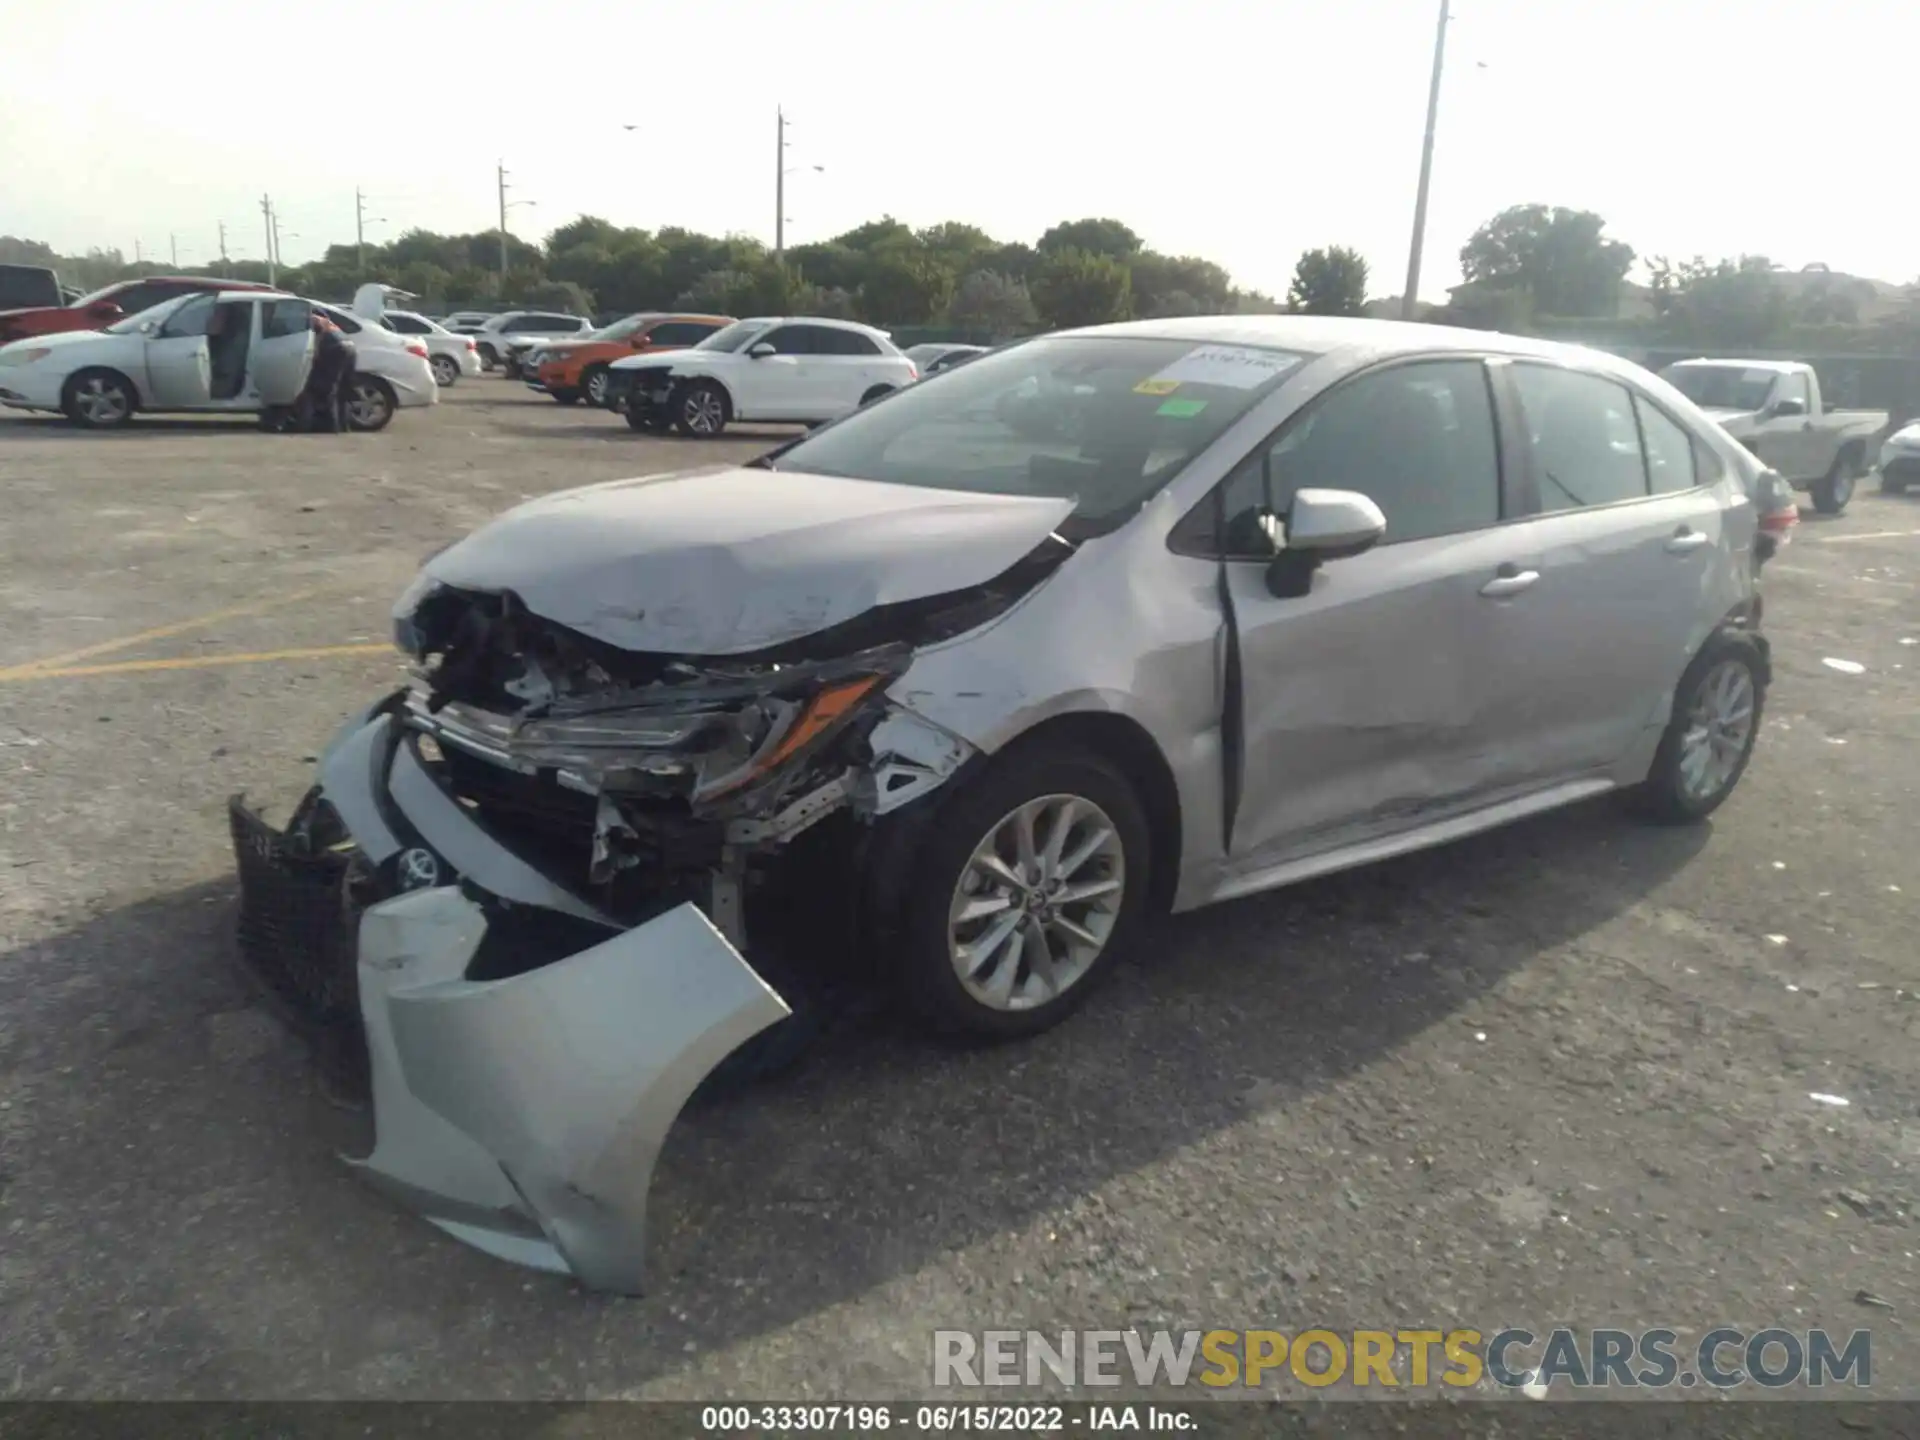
<point x="282" y="351"/>
<point x="776" y="386"/>
<point x="1788" y="443"/>
<point x="179" y="371"/>
<point x="1365" y="705"/>
<point x="1625" y="547"/>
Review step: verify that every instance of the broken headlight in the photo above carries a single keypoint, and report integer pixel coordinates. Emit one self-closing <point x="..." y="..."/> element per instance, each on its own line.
<point x="683" y="748"/>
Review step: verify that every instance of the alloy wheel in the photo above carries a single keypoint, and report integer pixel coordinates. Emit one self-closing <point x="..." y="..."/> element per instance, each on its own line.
<point x="1036" y="902"/>
<point x="1719" y="729"/>
<point x="597" y="388"/>
<point x="705" y="414"/>
<point x="100" y="400"/>
<point x="367" y="407"/>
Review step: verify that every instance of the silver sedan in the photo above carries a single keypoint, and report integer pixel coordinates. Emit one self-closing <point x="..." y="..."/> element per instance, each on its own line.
<point x="1137" y="617"/>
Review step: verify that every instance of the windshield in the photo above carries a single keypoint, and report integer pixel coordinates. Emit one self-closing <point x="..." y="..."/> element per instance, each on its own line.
<point x="156" y="315"/>
<point x="620" y="329"/>
<point x="1102" y="420"/>
<point x="1721" y="387"/>
<point x="734" y="336"/>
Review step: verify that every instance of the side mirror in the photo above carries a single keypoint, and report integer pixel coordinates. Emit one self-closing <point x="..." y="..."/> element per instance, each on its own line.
<point x="761" y="351"/>
<point x="1322" y="525"/>
<point x="1789" y="407"/>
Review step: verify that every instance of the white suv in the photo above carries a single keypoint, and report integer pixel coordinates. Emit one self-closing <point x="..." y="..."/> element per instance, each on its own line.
<point x="491" y="338"/>
<point x="803" y="369"/>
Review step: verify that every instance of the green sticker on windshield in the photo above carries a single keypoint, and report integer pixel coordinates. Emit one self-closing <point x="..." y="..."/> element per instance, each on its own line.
<point x="1181" y="409"/>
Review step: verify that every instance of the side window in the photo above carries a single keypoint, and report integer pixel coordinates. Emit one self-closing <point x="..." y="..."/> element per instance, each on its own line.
<point x="842" y="342"/>
<point x="405" y="324"/>
<point x="678" y="332"/>
<point x="190" y="319"/>
<point x="1586" y="446"/>
<point x="519" y="325"/>
<point x="346" y="322"/>
<point x="136" y="298"/>
<point x="789" y="340"/>
<point x="285" y="317"/>
<point x="1670" y="450"/>
<point x="1417" y="439"/>
<point x="1793" y="387"/>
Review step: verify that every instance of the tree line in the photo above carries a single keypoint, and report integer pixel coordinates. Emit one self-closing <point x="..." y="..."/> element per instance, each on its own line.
<point x="1530" y="267"/>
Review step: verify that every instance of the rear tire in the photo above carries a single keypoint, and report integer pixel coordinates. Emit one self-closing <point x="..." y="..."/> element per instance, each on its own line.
<point x="565" y="397"/>
<point x="944" y="875"/>
<point x="370" y="404"/>
<point x="1699" y="747"/>
<point x="1831" y="493"/>
<point x="446" y="370"/>
<point x="489" y="357"/>
<point x="99" y="400"/>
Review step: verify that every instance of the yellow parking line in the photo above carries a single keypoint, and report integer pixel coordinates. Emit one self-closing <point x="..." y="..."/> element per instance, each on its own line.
<point x="160" y="632"/>
<point x="191" y="662"/>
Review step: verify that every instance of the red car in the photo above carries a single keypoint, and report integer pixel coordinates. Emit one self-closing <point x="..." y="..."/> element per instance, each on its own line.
<point x="103" y="307"/>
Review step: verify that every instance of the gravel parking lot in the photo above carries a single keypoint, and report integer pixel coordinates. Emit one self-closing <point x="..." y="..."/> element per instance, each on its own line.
<point x="1557" y="1074"/>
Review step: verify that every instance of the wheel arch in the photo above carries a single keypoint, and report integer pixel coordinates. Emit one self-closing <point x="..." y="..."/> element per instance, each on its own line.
<point x="718" y="382"/>
<point x="1126" y="744"/>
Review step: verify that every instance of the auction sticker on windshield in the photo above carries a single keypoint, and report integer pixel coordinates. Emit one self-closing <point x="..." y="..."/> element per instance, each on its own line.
<point x="1233" y="367"/>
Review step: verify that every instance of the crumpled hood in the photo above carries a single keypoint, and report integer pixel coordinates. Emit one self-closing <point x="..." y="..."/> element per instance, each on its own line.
<point x="725" y="561"/>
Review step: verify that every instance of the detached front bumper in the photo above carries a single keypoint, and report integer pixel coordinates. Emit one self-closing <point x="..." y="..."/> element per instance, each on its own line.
<point x="526" y="1055"/>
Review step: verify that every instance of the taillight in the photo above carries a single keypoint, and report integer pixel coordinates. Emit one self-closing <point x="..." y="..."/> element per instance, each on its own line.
<point x="414" y="347"/>
<point x="913" y="371"/>
<point x="472" y="346"/>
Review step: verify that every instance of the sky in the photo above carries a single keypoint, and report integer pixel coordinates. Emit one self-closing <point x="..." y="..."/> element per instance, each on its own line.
<point x="1240" y="132"/>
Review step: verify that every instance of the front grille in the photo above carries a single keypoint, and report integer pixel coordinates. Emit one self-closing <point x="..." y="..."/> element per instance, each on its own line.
<point x="300" y="910"/>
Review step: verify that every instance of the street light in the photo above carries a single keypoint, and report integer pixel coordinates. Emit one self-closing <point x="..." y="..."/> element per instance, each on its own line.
<point x="1410" y="297"/>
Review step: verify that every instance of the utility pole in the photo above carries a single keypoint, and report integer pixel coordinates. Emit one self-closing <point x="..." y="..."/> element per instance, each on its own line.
<point x="137" y="258"/>
<point x="1410" y="297"/>
<point x="360" y="229"/>
<point x="501" y="175"/>
<point x="273" y="258"/>
<point x="173" y="249"/>
<point x="223" y="247"/>
<point x="780" y="187"/>
<point x="276" y="237"/>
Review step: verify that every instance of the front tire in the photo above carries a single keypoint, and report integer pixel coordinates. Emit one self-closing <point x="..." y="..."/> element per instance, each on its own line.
<point x="1831" y="493"/>
<point x="1716" y="719"/>
<point x="565" y="397"/>
<point x="1028" y="883"/>
<point x="489" y="357"/>
<point x="700" y="409"/>
<point x="99" y="400"/>
<point x="446" y="370"/>
<point x="370" y="404"/>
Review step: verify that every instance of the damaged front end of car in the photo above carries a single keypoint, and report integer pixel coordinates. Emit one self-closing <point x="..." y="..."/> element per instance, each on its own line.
<point x="525" y="888"/>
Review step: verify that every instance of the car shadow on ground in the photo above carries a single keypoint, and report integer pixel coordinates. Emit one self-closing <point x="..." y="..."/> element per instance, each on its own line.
<point x="153" y="1086"/>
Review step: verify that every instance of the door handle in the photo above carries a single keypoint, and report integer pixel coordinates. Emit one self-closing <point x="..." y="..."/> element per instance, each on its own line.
<point x="1685" y="542"/>
<point x="1509" y="581"/>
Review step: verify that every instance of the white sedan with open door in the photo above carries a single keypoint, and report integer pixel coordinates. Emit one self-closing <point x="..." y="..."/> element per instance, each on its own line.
<point x="228" y="352"/>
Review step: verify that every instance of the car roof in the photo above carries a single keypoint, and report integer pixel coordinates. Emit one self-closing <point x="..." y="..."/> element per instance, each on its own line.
<point x="1357" y="340"/>
<point x="1777" y="367"/>
<point x="822" y="320"/>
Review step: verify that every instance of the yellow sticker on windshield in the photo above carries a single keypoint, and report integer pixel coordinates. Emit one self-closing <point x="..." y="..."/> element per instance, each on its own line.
<point x="1156" y="387"/>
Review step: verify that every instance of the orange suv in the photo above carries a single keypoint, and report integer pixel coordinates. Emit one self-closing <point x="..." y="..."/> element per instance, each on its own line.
<point x="568" y="369"/>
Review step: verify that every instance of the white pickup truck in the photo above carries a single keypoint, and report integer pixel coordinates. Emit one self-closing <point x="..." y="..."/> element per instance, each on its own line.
<point x="1773" y="408"/>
